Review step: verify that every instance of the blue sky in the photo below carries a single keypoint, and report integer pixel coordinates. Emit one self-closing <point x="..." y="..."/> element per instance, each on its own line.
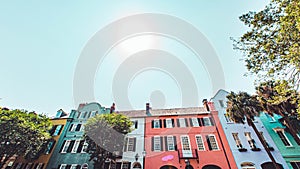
<point x="41" y="43"/>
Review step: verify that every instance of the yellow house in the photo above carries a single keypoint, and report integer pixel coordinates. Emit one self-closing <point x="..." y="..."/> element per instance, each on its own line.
<point x="59" y="125"/>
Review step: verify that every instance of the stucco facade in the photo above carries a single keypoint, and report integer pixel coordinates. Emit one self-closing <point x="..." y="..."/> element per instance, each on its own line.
<point x="70" y="149"/>
<point x="286" y="144"/>
<point x="241" y="136"/>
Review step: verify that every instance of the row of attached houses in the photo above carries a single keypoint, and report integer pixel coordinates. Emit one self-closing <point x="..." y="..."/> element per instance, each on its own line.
<point x="190" y="138"/>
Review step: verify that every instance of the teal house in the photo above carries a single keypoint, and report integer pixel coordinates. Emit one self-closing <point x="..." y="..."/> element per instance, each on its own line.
<point x="286" y="144"/>
<point x="70" y="151"/>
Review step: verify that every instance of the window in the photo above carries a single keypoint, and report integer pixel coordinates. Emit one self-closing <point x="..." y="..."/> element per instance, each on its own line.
<point x="73" y="127"/>
<point x="182" y="122"/>
<point x="84" y="166"/>
<point x="67" y="146"/>
<point x="199" y="142"/>
<point x="295" y="164"/>
<point x="50" y="146"/>
<point x="19" y="166"/>
<point x="125" y="166"/>
<point x="84" y="146"/>
<point x="248" y="165"/>
<point x="63" y="166"/>
<point x="170" y="143"/>
<point x="75" y="147"/>
<point x="74" y="166"/>
<point x="83" y="115"/>
<point x="228" y="119"/>
<point x="194" y="122"/>
<point x="78" y="126"/>
<point x="185" y="141"/>
<point x="135" y="124"/>
<point x="212" y="142"/>
<point x="40" y="166"/>
<point x="93" y="113"/>
<point x="169" y="123"/>
<point x="207" y="121"/>
<point x="250" y="141"/>
<point x="221" y="103"/>
<point x="283" y="137"/>
<point x="156" y="143"/>
<point x="130" y="144"/>
<point x="57" y="130"/>
<point x="156" y="123"/>
<point x="237" y="140"/>
<point x="270" y="118"/>
<point x="28" y="166"/>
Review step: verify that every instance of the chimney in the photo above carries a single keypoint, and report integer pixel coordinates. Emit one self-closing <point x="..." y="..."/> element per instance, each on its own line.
<point x="112" y="108"/>
<point x="205" y="104"/>
<point x="148" y="109"/>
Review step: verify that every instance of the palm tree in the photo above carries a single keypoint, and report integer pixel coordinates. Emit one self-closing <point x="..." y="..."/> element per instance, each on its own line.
<point x="243" y="107"/>
<point x="278" y="97"/>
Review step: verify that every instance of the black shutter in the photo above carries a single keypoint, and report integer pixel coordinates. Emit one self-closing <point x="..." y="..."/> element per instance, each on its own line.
<point x="173" y="124"/>
<point x="35" y="165"/>
<point x="160" y="123"/>
<point x="161" y="144"/>
<point x="53" y="130"/>
<point x="166" y="143"/>
<point x="70" y="146"/>
<point x="125" y="144"/>
<point x="202" y="121"/>
<point x="152" y="143"/>
<point x="118" y="165"/>
<point x="80" y="146"/>
<point x="175" y="142"/>
<point x="78" y="127"/>
<point x="62" y="146"/>
<point x="52" y="146"/>
<point x="68" y="166"/>
<point x="136" y="124"/>
<point x="152" y="124"/>
<point x="165" y="125"/>
<point x="186" y="122"/>
<point x="62" y="126"/>
<point x="78" y="115"/>
<point x="208" y="142"/>
<point x="59" y="166"/>
<point x="211" y="121"/>
<point x="134" y="144"/>
<point x="178" y="124"/>
<point x="71" y="127"/>
<point x="199" y="121"/>
<point x="89" y="114"/>
<point x="191" y="122"/>
<point x="78" y="166"/>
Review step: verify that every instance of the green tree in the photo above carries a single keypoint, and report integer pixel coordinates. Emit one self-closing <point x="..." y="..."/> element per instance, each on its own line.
<point x="280" y="98"/>
<point x="271" y="46"/>
<point x="22" y="133"/>
<point x="105" y="137"/>
<point x="243" y="107"/>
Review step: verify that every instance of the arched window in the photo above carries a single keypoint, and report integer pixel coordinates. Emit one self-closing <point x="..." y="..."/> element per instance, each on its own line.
<point x="84" y="166"/>
<point x="211" y="167"/>
<point x="136" y="165"/>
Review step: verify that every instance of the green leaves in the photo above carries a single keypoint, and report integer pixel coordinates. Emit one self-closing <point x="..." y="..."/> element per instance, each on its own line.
<point x="271" y="45"/>
<point x="22" y="132"/>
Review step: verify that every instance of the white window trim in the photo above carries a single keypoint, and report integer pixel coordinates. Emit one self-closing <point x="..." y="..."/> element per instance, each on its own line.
<point x="182" y="122"/>
<point x="66" y="146"/>
<point x="156" y="121"/>
<point x="169" y="123"/>
<point x="218" y="148"/>
<point x="73" y="127"/>
<point x="39" y="166"/>
<point x="85" y="144"/>
<point x="63" y="166"/>
<point x="130" y="144"/>
<point x="195" y="122"/>
<point x="73" y="166"/>
<point x="282" y="130"/>
<point x="170" y="142"/>
<point x="208" y="120"/>
<point x="157" y="143"/>
<point x="75" y="146"/>
<point x="201" y="140"/>
<point x="189" y="142"/>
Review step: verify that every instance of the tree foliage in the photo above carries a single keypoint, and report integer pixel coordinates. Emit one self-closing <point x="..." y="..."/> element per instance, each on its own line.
<point x="271" y="45"/>
<point x="280" y="98"/>
<point x="22" y="133"/>
<point x="105" y="136"/>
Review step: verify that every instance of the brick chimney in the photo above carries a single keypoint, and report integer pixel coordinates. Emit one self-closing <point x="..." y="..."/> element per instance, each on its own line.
<point x="205" y="104"/>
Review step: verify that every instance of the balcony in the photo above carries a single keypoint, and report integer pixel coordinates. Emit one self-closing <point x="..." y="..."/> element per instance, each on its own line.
<point x="188" y="154"/>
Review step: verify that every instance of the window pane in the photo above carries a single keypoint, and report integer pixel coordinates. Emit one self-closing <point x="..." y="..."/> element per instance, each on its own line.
<point x="170" y="142"/>
<point x="200" y="144"/>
